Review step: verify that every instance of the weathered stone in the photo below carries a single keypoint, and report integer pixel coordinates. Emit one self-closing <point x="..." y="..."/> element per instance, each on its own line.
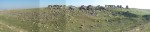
<point x="82" y="7"/>
<point x="108" y="6"/>
<point x="90" y="7"/>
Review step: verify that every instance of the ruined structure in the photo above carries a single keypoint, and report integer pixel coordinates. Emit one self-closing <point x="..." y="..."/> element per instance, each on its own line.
<point x="83" y="7"/>
<point x="110" y="6"/>
<point x="119" y="6"/>
<point x="100" y="8"/>
<point x="50" y="6"/>
<point x="113" y="6"/>
<point x="90" y="7"/>
<point x="71" y="7"/>
<point x="56" y="6"/>
<point x="127" y="7"/>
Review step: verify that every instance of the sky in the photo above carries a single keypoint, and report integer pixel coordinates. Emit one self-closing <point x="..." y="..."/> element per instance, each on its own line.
<point x="19" y="4"/>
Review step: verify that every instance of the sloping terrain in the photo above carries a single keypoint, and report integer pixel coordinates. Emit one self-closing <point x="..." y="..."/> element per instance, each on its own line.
<point x="142" y="28"/>
<point x="61" y="20"/>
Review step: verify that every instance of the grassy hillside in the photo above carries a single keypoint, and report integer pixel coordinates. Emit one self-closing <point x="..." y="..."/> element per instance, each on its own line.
<point x="61" y="20"/>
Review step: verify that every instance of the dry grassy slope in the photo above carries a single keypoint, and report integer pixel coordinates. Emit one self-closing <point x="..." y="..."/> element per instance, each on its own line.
<point x="54" y="20"/>
<point x="141" y="28"/>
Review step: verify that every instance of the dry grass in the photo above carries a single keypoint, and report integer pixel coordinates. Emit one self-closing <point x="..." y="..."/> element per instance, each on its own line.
<point x="61" y="20"/>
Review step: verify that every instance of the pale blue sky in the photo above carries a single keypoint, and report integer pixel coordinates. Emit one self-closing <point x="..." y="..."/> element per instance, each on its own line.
<point x="18" y="4"/>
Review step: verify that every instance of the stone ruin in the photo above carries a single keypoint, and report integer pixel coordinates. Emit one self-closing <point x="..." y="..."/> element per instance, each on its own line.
<point x="56" y="6"/>
<point x="113" y="6"/>
<point x="108" y="6"/>
<point x="127" y="7"/>
<point x="83" y="7"/>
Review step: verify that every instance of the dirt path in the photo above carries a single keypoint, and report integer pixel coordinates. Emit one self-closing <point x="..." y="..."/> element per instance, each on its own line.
<point x="13" y="28"/>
